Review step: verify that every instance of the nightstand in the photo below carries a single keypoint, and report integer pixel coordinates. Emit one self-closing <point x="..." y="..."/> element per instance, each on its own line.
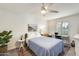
<point x="21" y="50"/>
<point x="21" y="43"/>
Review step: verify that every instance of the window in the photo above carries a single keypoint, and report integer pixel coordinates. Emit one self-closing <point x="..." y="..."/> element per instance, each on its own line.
<point x="62" y="28"/>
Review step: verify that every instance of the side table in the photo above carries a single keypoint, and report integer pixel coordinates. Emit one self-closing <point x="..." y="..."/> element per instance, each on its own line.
<point x="21" y="50"/>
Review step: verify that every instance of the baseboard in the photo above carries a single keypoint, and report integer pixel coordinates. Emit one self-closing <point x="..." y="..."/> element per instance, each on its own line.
<point x="9" y="49"/>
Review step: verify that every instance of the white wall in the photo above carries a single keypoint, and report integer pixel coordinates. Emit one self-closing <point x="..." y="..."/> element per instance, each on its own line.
<point x="73" y="24"/>
<point x="17" y="22"/>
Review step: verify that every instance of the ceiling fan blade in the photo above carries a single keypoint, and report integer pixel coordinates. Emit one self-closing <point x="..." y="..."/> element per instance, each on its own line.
<point x="54" y="11"/>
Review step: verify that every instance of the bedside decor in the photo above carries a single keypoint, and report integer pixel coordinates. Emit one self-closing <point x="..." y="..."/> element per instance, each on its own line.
<point x="5" y="37"/>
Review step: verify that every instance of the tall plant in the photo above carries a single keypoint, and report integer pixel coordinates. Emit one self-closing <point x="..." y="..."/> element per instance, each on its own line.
<point x="5" y="37"/>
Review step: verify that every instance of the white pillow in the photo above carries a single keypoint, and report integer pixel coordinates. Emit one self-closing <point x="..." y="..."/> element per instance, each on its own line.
<point x="38" y="34"/>
<point x="33" y="35"/>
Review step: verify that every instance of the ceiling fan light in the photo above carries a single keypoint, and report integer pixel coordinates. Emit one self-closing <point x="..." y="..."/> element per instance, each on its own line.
<point x="43" y="11"/>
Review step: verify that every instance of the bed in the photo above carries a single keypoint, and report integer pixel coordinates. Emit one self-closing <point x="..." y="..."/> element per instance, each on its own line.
<point x="46" y="46"/>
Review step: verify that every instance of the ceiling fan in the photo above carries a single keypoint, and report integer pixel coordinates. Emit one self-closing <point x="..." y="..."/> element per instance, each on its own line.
<point x="44" y="9"/>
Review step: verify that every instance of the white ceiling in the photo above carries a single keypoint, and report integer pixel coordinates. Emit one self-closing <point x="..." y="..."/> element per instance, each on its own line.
<point x="65" y="9"/>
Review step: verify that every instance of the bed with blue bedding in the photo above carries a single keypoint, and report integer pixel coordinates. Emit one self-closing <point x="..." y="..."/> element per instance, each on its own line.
<point x="46" y="46"/>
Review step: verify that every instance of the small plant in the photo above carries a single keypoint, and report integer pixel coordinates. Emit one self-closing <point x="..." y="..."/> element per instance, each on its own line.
<point x="5" y="37"/>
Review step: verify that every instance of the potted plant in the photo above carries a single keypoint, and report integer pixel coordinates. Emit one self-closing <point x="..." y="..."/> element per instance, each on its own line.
<point x="4" y="39"/>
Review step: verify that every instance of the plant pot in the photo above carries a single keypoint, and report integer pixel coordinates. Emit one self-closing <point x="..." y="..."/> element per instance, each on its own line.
<point x="3" y="49"/>
<point x="73" y="44"/>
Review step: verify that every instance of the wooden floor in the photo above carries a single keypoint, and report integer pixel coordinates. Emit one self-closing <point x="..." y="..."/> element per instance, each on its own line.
<point x="15" y="52"/>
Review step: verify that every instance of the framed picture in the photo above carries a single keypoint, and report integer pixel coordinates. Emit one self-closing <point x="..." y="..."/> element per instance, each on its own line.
<point x="32" y="27"/>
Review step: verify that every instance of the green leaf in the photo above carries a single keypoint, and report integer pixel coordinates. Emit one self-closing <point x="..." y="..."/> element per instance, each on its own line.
<point x="5" y="37"/>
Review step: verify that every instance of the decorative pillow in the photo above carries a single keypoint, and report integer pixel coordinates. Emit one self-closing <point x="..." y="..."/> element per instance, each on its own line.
<point x="45" y="34"/>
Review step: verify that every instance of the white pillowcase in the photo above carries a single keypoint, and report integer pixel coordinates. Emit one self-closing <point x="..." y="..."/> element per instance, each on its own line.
<point x="33" y="35"/>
